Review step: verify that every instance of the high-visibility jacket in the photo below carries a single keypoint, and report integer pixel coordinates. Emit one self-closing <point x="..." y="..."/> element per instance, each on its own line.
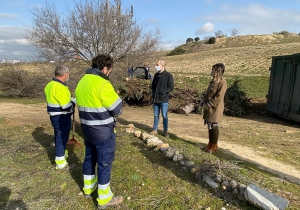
<point x="58" y="98"/>
<point x="98" y="104"/>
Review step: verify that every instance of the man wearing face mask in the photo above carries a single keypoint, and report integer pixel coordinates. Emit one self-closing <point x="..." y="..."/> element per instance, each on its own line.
<point x="98" y="105"/>
<point x="60" y="107"/>
<point x="162" y="85"/>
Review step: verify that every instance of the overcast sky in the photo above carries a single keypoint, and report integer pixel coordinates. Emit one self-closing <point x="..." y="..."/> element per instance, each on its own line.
<point x="177" y="20"/>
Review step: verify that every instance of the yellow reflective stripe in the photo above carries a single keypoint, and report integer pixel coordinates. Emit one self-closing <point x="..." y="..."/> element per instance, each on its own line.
<point x="61" y="162"/>
<point x="90" y="182"/>
<point x="104" y="194"/>
<point x="66" y="154"/>
<point x="89" y="109"/>
<point x="97" y="122"/>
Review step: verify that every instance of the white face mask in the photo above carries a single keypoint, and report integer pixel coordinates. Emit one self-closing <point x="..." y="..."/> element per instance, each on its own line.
<point x="158" y="68"/>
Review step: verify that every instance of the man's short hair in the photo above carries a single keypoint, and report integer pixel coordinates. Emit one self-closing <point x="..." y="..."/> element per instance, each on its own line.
<point x="61" y="70"/>
<point x="102" y="60"/>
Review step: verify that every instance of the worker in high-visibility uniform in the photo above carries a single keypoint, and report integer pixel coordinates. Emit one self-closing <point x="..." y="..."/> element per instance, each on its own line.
<point x="98" y="105"/>
<point x="60" y="107"/>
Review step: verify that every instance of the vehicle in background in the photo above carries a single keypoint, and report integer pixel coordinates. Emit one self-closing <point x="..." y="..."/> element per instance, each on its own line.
<point x="141" y="72"/>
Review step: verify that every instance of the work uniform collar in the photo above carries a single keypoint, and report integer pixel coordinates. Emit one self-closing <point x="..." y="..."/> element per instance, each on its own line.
<point x="96" y="71"/>
<point x="57" y="80"/>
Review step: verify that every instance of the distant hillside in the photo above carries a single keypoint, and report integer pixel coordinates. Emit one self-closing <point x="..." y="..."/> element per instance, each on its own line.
<point x="241" y="41"/>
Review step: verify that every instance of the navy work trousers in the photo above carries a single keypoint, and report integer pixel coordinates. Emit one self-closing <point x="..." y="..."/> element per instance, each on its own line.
<point x="102" y="153"/>
<point x="62" y="127"/>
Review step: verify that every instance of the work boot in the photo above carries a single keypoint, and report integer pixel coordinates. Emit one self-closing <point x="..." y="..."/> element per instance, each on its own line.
<point x="90" y="195"/>
<point x="166" y="134"/>
<point x="208" y="147"/>
<point x="214" y="147"/>
<point x="66" y="168"/>
<point x="116" y="200"/>
<point x="153" y="132"/>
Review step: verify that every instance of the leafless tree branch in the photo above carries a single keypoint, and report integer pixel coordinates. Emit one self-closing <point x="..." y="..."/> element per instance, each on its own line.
<point x="90" y="28"/>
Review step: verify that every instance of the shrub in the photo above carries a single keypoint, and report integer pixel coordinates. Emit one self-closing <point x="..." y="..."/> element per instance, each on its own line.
<point x="176" y="51"/>
<point x="212" y="40"/>
<point x="284" y="32"/>
<point x="189" y="40"/>
<point x="236" y="102"/>
<point x="16" y="82"/>
<point x="197" y="39"/>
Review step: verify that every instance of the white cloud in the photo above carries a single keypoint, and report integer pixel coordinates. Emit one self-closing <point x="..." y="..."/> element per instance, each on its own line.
<point x="255" y="19"/>
<point x="153" y="21"/>
<point x="205" y="29"/>
<point x="8" y="16"/>
<point x="13" y="44"/>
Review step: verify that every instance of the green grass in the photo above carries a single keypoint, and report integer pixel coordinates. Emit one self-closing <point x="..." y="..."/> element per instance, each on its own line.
<point x="253" y="86"/>
<point x="143" y="176"/>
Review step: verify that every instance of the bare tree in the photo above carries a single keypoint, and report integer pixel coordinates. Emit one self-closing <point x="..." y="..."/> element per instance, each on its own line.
<point x="234" y="32"/>
<point x="219" y="34"/>
<point x="92" y="27"/>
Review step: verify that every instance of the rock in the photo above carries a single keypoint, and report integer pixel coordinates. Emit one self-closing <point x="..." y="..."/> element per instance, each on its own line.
<point x="218" y="178"/>
<point x="177" y="157"/>
<point x="195" y="169"/>
<point x="130" y="126"/>
<point x="233" y="184"/>
<point x="129" y="130"/>
<point x="144" y="136"/>
<point x="242" y="189"/>
<point x="225" y="183"/>
<point x="156" y="149"/>
<point x="224" y="188"/>
<point x="163" y="149"/>
<point x="264" y="199"/>
<point x="163" y="145"/>
<point x="189" y="163"/>
<point x="137" y="133"/>
<point x="235" y="191"/>
<point x="176" y="152"/>
<point x="186" y="109"/>
<point x="153" y="141"/>
<point x="210" y="182"/>
<point x="169" y="153"/>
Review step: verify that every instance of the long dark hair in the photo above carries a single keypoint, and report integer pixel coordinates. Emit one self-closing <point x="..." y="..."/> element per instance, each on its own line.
<point x="219" y="69"/>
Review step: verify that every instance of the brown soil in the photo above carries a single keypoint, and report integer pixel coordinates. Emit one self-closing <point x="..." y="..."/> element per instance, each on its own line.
<point x="189" y="127"/>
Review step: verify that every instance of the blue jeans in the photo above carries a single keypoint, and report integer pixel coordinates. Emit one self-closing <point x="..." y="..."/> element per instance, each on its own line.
<point x="164" y="109"/>
<point x="102" y="154"/>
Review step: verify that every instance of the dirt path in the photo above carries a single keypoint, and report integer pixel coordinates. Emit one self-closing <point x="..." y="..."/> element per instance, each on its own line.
<point x="188" y="127"/>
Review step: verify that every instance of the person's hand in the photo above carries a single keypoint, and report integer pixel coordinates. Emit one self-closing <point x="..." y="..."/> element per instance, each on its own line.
<point x="205" y="106"/>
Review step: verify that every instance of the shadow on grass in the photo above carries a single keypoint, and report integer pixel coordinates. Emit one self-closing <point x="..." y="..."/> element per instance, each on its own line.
<point x="255" y="165"/>
<point x="5" y="203"/>
<point x="74" y="162"/>
<point x="221" y="154"/>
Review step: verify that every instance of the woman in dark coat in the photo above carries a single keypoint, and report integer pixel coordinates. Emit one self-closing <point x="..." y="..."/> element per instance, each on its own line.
<point x="214" y="105"/>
